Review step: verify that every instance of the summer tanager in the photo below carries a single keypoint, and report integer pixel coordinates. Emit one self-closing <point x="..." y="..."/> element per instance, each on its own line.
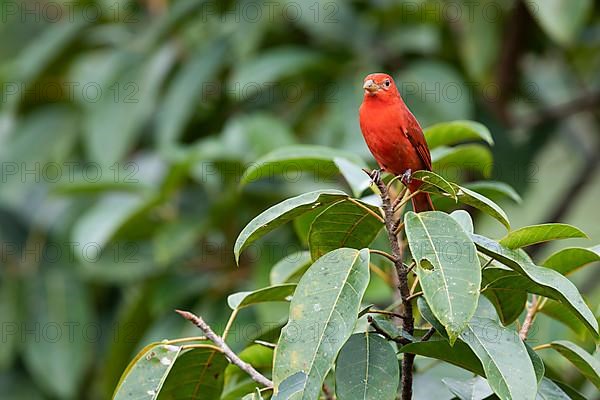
<point x="393" y="135"/>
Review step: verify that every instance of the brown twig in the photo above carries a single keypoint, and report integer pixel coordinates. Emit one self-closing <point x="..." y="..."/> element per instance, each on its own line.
<point x="403" y="286"/>
<point x="218" y="341"/>
<point x="400" y="340"/>
<point x="428" y="334"/>
<point x="327" y="392"/>
<point x="529" y="318"/>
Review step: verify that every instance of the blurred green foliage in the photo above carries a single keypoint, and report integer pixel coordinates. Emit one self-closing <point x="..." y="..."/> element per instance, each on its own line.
<point x="126" y="126"/>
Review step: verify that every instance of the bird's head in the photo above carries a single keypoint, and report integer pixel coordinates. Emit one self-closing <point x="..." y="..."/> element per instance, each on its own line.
<point x="381" y="86"/>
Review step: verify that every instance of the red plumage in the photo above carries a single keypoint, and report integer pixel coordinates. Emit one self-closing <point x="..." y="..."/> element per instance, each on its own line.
<point x="393" y="134"/>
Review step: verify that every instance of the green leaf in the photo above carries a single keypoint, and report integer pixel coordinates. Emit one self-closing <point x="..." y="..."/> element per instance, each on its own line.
<point x="454" y="161"/>
<point x="366" y="368"/>
<point x="434" y="179"/>
<point x="253" y="396"/>
<point x="290" y="268"/>
<point x="549" y="390"/>
<point x="504" y="357"/>
<point x="539" y="280"/>
<point x="472" y="389"/>
<point x="537" y="362"/>
<point x="272" y="293"/>
<point x="59" y="360"/>
<point x="448" y="269"/>
<point x="464" y="220"/>
<point x="317" y="159"/>
<point x="586" y="363"/>
<point x="281" y="213"/>
<point x="428" y="316"/>
<point x="493" y="188"/>
<point x="482" y="203"/>
<point x="145" y="374"/>
<point x="562" y="314"/>
<point x="113" y="123"/>
<point x="459" y="354"/>
<point x="449" y="133"/>
<point x="10" y="319"/>
<point x="291" y="386"/>
<point x="343" y="224"/>
<point x="571" y="259"/>
<point x="353" y="173"/>
<point x="533" y="234"/>
<point x="196" y="374"/>
<point x="562" y="20"/>
<point x="189" y="86"/>
<point x="509" y="303"/>
<point x="268" y="67"/>
<point x="322" y="317"/>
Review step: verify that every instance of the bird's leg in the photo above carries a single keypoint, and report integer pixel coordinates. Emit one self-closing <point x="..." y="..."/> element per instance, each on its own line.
<point x="375" y="176"/>
<point x="406" y="177"/>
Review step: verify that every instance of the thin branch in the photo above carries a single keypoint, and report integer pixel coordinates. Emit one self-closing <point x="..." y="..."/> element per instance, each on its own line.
<point x="384" y="312"/>
<point x="402" y="273"/>
<point x="367" y="209"/>
<point x="428" y="334"/>
<point x="529" y="318"/>
<point x="414" y="295"/>
<point x="218" y="341"/>
<point x="400" y="340"/>
<point x="383" y="254"/>
<point x="542" y="347"/>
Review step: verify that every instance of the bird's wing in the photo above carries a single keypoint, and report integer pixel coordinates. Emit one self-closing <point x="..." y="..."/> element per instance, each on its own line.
<point x="414" y="133"/>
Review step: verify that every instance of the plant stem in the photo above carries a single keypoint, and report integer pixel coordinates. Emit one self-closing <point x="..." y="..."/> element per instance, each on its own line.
<point x="218" y="341"/>
<point x="403" y="286"/>
<point x="529" y="318"/>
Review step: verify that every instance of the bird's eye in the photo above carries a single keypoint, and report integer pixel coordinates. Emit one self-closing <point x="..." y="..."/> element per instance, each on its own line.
<point x="387" y="83"/>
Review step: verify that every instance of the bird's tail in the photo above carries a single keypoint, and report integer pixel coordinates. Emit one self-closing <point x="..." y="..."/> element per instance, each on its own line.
<point x="422" y="202"/>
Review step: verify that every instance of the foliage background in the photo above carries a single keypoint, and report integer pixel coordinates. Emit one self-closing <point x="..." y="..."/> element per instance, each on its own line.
<point x="126" y="125"/>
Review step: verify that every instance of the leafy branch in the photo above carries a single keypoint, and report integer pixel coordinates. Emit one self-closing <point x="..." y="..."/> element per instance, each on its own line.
<point x="220" y="343"/>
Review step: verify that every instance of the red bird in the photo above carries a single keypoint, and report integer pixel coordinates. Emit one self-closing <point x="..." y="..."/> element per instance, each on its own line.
<point x="393" y="134"/>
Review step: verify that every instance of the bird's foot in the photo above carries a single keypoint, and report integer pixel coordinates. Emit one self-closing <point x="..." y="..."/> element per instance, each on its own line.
<point x="406" y="177"/>
<point x="375" y="175"/>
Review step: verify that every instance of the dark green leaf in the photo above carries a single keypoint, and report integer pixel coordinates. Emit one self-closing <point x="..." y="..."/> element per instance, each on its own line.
<point x="459" y="354"/>
<point x="493" y="188"/>
<point x="586" y="363"/>
<point x="561" y="313"/>
<point x="59" y="359"/>
<point x="431" y="178"/>
<point x="538" y="363"/>
<point x="452" y="277"/>
<point x="366" y="368"/>
<point x="196" y="374"/>
<point x="283" y="212"/>
<point x="344" y="224"/>
<point x="185" y="92"/>
<point x="317" y="159"/>
<point x="322" y="317"/>
<point x="571" y="259"/>
<point x="449" y="133"/>
<point x="454" y="162"/>
<point x="543" y="281"/>
<point x="272" y="293"/>
<point x="482" y="203"/>
<point x="533" y="234"/>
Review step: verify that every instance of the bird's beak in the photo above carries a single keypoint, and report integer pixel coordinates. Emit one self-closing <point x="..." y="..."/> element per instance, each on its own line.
<point x="370" y="86"/>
